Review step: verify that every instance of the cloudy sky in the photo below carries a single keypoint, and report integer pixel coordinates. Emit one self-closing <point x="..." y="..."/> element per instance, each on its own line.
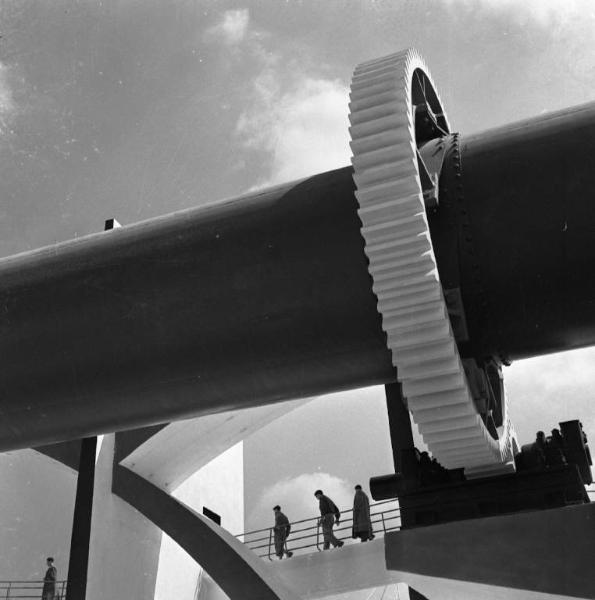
<point x="133" y="109"/>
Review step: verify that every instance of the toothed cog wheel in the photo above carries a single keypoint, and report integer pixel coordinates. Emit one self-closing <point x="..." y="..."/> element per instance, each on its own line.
<point x="385" y="96"/>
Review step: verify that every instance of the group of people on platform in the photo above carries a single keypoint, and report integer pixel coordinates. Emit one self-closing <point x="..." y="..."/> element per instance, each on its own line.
<point x="329" y="517"/>
<point x="544" y="452"/>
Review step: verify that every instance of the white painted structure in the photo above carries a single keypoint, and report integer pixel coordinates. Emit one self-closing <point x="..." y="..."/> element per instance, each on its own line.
<point x="218" y="486"/>
<point x="200" y="462"/>
<point x="180" y="449"/>
<point x="124" y="549"/>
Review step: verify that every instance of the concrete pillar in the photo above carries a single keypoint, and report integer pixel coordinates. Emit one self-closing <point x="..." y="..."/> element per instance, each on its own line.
<point x="124" y="549"/>
<point x="81" y="522"/>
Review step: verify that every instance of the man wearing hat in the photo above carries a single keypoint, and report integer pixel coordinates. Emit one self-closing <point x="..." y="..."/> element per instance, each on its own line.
<point x="281" y="531"/>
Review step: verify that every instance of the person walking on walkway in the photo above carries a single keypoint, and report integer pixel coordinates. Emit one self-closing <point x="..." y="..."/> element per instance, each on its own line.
<point x="281" y="531"/>
<point x="329" y="515"/>
<point x="362" y="522"/>
<point x="49" y="581"/>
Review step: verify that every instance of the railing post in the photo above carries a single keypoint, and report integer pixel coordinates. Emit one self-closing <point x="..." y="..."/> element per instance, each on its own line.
<point x="8" y="590"/>
<point x="318" y="535"/>
<point x="270" y="537"/>
<point x="383" y="525"/>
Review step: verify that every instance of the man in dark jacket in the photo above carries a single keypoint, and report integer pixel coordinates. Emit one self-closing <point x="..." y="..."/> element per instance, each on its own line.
<point x="49" y="581"/>
<point x="281" y="531"/>
<point x="329" y="514"/>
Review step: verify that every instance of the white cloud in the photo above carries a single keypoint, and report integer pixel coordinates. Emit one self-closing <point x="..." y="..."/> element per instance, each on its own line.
<point x="548" y="389"/>
<point x="232" y="28"/>
<point x="296" y="496"/>
<point x="304" y="130"/>
<point x="7" y="105"/>
<point x="297" y="119"/>
<point x="545" y="13"/>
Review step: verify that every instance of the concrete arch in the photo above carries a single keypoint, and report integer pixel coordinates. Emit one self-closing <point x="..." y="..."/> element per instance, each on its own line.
<point x="236" y="569"/>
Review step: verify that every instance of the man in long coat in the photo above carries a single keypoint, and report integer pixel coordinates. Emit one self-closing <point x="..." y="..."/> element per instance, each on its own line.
<point x="362" y="522"/>
<point x="49" y="581"/>
<point x="281" y="531"/>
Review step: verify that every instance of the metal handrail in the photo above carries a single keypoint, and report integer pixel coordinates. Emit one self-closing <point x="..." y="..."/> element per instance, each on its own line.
<point x="308" y="519"/>
<point x="385" y="520"/>
<point x="21" y="589"/>
<point x="534" y="488"/>
<point x="310" y="530"/>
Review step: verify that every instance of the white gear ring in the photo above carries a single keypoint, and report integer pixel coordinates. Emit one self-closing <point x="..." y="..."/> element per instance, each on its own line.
<point x="404" y="272"/>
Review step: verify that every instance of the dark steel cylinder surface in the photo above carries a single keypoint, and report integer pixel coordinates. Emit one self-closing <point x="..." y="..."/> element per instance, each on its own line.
<point x="267" y="297"/>
<point x="528" y="249"/>
<point x="247" y="302"/>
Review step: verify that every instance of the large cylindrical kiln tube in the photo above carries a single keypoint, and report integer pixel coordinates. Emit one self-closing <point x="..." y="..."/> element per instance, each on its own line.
<point x="250" y="301"/>
<point x="268" y="297"/>
<point x="529" y="194"/>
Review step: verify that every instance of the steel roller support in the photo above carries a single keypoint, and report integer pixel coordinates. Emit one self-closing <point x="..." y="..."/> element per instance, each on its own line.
<point x="268" y="297"/>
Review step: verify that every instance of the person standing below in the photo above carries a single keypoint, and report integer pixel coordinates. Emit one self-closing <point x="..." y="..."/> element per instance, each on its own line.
<point x="329" y="515"/>
<point x="49" y="581"/>
<point x="362" y="522"/>
<point x="281" y="531"/>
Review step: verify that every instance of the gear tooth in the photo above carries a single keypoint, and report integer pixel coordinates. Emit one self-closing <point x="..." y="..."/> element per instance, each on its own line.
<point x="452" y="424"/>
<point x="413" y="238"/>
<point x="380" y="173"/>
<point x="363" y="91"/>
<point x="370" y="101"/>
<point x="415" y="269"/>
<point x="437" y="401"/>
<point x="400" y="298"/>
<point x="461" y="409"/>
<point x="386" y="154"/>
<point x="403" y="200"/>
<point x="460" y="434"/>
<point x="391" y="263"/>
<point x="403" y="266"/>
<point x="377" y="125"/>
<point x="361" y="143"/>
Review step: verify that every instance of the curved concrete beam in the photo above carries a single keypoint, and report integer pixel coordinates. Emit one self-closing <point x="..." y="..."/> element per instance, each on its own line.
<point x="179" y="449"/>
<point x="235" y="568"/>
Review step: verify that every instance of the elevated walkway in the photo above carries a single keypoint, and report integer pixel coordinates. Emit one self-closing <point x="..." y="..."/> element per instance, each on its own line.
<point x="492" y="559"/>
<point x="536" y="555"/>
<point x="306" y="534"/>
